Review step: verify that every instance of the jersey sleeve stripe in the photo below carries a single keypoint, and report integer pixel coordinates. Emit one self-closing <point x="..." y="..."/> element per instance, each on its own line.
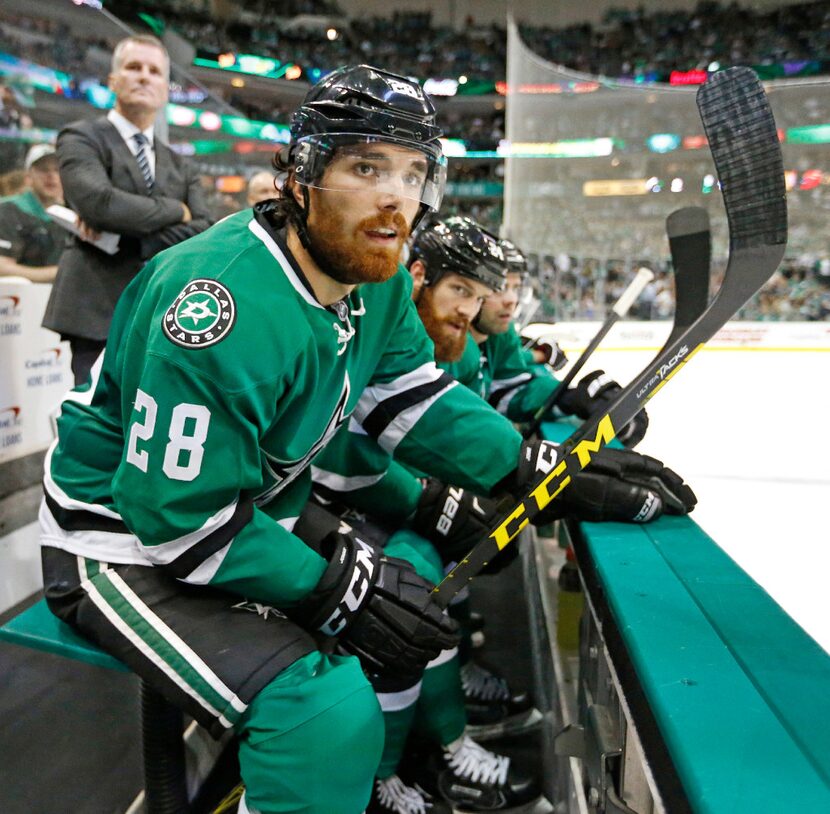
<point x="99" y="536"/>
<point x="513" y="381"/>
<point x="343" y="483"/>
<point x="187" y="562"/>
<point x="82" y="520"/>
<point x="206" y="570"/>
<point x="398" y="429"/>
<point x="376" y="422"/>
<point x="502" y="391"/>
<point x="376" y="393"/>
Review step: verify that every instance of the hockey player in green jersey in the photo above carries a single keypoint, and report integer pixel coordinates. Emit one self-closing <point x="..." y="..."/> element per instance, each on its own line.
<point x="517" y="386"/>
<point x="181" y="467"/>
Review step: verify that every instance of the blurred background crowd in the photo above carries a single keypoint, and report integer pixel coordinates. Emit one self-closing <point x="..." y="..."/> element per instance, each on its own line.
<point x="584" y="249"/>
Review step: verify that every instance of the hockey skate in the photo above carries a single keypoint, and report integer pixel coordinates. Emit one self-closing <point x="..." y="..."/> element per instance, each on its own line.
<point x="493" y="709"/>
<point x="470" y="778"/>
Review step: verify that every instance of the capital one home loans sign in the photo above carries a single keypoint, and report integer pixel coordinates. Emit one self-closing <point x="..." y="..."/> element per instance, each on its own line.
<point x="34" y="370"/>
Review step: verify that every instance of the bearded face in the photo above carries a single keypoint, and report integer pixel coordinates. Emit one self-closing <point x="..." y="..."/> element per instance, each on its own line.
<point x="366" y="251"/>
<point x="361" y="210"/>
<point x="447" y="328"/>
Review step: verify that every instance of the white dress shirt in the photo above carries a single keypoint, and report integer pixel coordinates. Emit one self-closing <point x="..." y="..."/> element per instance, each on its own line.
<point x="127" y="130"/>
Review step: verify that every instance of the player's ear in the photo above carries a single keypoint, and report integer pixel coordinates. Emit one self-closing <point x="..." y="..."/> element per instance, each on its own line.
<point x="418" y="272"/>
<point x="295" y="191"/>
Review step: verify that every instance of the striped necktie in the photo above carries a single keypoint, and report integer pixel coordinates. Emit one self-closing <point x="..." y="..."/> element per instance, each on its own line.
<point x="143" y="162"/>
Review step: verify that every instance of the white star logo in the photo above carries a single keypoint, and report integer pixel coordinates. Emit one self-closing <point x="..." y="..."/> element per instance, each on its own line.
<point x="197" y="311"/>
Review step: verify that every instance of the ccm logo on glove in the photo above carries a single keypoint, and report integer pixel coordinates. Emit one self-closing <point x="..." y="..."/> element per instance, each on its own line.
<point x="362" y="578"/>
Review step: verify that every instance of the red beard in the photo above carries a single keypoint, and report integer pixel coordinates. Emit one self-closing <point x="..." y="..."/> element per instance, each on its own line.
<point x="449" y="347"/>
<point x="349" y="260"/>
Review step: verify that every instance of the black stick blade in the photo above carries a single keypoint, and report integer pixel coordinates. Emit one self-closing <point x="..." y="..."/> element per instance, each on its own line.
<point x="690" y="242"/>
<point x="744" y="142"/>
<point x="690" y="220"/>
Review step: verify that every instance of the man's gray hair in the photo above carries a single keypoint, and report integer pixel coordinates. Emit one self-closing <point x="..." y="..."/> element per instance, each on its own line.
<point x="140" y="39"/>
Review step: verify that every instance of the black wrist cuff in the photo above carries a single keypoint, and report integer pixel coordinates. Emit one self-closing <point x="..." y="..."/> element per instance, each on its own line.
<point x="345" y="585"/>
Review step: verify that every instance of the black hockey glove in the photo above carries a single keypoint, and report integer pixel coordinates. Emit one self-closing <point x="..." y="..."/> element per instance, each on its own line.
<point x="379" y="608"/>
<point x="454" y="520"/>
<point x="618" y="485"/>
<point x="594" y="393"/>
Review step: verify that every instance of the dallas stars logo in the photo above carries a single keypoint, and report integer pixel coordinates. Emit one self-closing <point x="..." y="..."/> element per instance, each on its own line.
<point x="202" y="315"/>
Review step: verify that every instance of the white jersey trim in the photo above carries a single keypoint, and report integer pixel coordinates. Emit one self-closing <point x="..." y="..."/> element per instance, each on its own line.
<point x="511" y="385"/>
<point x="164" y="553"/>
<point x="62" y="499"/>
<point x="343" y="483"/>
<point x="396" y="701"/>
<point x="284" y="262"/>
<point x="356" y="428"/>
<point x="288" y="523"/>
<point x="127" y="549"/>
<point x="85" y="396"/>
<point x="443" y="657"/>
<point x="206" y="571"/>
<point x="122" y="549"/>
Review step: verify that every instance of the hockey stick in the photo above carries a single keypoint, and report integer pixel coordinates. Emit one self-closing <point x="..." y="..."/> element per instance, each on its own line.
<point x="743" y="140"/>
<point x="643" y="277"/>
<point x="690" y="243"/>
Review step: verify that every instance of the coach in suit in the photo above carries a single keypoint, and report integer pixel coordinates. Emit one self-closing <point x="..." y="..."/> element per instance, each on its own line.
<point x="119" y="177"/>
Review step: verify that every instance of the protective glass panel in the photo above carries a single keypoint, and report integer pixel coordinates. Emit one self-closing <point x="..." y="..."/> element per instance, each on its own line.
<point x="594" y="167"/>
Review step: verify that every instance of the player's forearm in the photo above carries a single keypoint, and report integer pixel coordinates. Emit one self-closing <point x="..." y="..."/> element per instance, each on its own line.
<point x="462" y="441"/>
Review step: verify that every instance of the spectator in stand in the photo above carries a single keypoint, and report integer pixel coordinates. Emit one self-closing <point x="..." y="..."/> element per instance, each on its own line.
<point x="30" y="243"/>
<point x="119" y="177"/>
<point x="11" y="116"/>
<point x="12" y="182"/>
<point x="262" y="186"/>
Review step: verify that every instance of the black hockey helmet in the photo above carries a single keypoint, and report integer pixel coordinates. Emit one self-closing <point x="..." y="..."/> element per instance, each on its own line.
<point x="462" y="246"/>
<point x="516" y="261"/>
<point x="357" y="105"/>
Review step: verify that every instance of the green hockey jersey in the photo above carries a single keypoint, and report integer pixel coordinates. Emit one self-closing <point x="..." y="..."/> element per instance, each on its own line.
<point x="514" y="386"/>
<point x="222" y="378"/>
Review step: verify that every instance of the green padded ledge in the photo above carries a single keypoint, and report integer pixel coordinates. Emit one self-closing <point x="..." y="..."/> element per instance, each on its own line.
<point x="736" y="749"/>
<point x="37" y="627"/>
<point x="740" y="692"/>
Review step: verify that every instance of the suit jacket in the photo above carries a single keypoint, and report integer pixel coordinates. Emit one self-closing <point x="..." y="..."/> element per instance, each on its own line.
<point x="103" y="184"/>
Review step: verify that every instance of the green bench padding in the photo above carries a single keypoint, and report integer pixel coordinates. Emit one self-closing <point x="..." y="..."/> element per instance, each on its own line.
<point x="39" y="628"/>
<point x="740" y="693"/>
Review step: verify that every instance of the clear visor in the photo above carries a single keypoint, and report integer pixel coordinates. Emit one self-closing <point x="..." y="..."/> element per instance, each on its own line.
<point x="353" y="162"/>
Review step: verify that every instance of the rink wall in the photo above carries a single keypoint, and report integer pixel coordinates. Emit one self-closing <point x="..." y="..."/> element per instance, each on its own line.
<point x="675" y="684"/>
